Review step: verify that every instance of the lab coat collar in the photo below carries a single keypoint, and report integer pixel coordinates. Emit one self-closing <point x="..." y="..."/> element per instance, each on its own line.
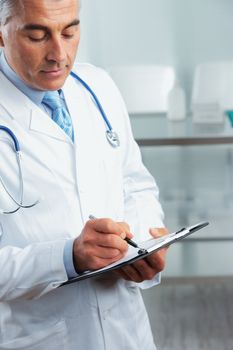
<point x="27" y="113"/>
<point x="13" y="101"/>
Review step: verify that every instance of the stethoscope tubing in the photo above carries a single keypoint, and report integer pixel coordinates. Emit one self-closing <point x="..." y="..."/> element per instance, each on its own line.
<point x="13" y="137"/>
<point x="88" y="88"/>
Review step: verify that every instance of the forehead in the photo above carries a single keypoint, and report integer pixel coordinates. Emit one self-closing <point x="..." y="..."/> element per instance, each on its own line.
<point x="57" y="11"/>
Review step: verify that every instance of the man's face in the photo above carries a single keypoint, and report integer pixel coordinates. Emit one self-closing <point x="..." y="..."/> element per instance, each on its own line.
<point x="40" y="41"/>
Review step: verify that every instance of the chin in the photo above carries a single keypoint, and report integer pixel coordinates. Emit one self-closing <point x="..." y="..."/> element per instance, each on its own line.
<point x="51" y="85"/>
<point x="51" y="82"/>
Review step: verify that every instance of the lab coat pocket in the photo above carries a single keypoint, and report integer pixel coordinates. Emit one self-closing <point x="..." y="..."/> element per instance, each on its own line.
<point x="51" y="338"/>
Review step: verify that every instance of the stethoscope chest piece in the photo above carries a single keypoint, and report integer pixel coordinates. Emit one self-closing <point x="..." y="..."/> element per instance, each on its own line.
<point x="113" y="138"/>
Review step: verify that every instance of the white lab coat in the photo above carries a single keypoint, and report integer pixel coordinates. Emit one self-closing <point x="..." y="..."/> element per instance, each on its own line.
<point x="72" y="182"/>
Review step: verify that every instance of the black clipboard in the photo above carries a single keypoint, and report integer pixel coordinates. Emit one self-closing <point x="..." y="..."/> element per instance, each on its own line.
<point x="145" y="249"/>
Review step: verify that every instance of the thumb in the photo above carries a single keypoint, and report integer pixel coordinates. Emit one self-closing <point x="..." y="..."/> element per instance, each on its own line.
<point x="158" y="232"/>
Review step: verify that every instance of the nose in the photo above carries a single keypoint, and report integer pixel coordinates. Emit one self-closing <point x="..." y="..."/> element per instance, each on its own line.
<point x="56" y="50"/>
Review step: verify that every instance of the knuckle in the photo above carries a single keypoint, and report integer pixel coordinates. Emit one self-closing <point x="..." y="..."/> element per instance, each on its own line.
<point x="108" y="223"/>
<point x="138" y="279"/>
<point x="141" y="265"/>
<point x="89" y="224"/>
<point x="111" y="240"/>
<point x="114" y="253"/>
<point x="88" y="240"/>
<point x="117" y="243"/>
<point x="150" y="275"/>
<point x="161" y="265"/>
<point x="124" y="246"/>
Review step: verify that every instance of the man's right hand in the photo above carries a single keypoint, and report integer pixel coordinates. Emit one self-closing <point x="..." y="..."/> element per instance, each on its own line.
<point x="100" y="243"/>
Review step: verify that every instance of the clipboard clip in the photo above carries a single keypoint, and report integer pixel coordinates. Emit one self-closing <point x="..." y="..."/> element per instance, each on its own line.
<point x="182" y="229"/>
<point x="142" y="251"/>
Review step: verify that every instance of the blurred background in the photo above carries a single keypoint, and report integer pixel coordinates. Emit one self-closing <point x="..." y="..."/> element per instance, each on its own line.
<point x="173" y="63"/>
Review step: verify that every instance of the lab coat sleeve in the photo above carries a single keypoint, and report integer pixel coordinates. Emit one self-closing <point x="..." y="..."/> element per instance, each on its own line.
<point x="141" y="195"/>
<point x="30" y="272"/>
<point x="142" y="209"/>
<point x="142" y="206"/>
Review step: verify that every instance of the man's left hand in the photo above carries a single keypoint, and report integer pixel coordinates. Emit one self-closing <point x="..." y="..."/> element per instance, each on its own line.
<point x="146" y="269"/>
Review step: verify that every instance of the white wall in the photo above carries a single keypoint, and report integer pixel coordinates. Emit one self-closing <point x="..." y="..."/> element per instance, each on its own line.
<point x="127" y="31"/>
<point x="179" y="32"/>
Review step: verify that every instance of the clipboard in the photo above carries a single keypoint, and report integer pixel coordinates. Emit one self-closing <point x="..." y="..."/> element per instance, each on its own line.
<point x="146" y="248"/>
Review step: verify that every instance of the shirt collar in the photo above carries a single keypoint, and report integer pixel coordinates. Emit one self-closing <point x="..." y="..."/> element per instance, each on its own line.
<point x="35" y="95"/>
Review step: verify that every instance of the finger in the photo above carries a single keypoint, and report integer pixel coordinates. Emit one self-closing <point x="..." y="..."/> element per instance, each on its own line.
<point x="146" y="271"/>
<point x="126" y="229"/>
<point x="108" y="253"/>
<point x="157" y="260"/>
<point x="158" y="232"/>
<point x="96" y="263"/>
<point x="111" y="241"/>
<point x="132" y="273"/>
<point x="122" y="274"/>
<point x="107" y="226"/>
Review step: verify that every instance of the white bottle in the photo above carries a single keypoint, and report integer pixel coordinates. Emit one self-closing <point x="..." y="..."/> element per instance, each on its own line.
<point x="176" y="103"/>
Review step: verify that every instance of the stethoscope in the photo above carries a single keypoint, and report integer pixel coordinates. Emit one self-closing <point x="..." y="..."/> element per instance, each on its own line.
<point x="19" y="203"/>
<point x="111" y="136"/>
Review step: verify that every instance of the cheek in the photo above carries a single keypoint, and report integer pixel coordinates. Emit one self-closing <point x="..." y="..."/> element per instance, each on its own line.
<point x="29" y="58"/>
<point x="73" y="46"/>
<point x="17" y="49"/>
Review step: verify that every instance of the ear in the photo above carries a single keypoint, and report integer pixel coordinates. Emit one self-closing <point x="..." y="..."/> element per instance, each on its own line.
<point x="1" y="40"/>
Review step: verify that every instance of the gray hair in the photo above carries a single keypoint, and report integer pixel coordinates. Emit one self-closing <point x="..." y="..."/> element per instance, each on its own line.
<point x="6" y="10"/>
<point x="7" y="7"/>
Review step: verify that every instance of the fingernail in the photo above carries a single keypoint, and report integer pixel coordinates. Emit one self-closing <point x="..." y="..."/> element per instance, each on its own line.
<point x="123" y="235"/>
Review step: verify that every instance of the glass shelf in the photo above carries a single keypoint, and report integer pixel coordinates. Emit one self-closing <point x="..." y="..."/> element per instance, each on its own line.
<point x="157" y="130"/>
<point x="193" y="167"/>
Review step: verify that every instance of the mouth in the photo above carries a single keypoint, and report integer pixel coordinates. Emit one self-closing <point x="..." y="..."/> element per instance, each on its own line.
<point x="53" y="73"/>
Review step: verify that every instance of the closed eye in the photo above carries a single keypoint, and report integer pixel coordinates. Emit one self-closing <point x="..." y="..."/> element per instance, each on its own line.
<point x="70" y="31"/>
<point x="37" y="34"/>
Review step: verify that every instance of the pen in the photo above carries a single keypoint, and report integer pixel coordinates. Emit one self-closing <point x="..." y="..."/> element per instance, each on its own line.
<point x="129" y="241"/>
<point x="132" y="243"/>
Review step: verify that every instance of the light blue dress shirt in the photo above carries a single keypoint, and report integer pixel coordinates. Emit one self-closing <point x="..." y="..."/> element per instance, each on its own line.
<point x="37" y="96"/>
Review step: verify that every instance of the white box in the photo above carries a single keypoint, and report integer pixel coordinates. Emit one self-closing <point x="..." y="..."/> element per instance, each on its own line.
<point x="207" y="113"/>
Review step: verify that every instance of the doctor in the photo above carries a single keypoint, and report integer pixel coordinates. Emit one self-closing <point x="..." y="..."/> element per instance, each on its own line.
<point x="70" y="170"/>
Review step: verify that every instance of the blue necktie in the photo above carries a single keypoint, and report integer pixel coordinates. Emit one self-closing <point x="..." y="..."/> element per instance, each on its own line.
<point x="59" y="113"/>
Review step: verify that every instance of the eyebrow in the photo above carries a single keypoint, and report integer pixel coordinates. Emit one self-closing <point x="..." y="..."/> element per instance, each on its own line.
<point x="32" y="26"/>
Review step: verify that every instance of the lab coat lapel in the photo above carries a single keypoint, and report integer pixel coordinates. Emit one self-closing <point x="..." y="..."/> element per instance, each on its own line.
<point x="78" y="103"/>
<point x="27" y="113"/>
<point x="42" y="123"/>
<point x="89" y="167"/>
<point x="14" y="102"/>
